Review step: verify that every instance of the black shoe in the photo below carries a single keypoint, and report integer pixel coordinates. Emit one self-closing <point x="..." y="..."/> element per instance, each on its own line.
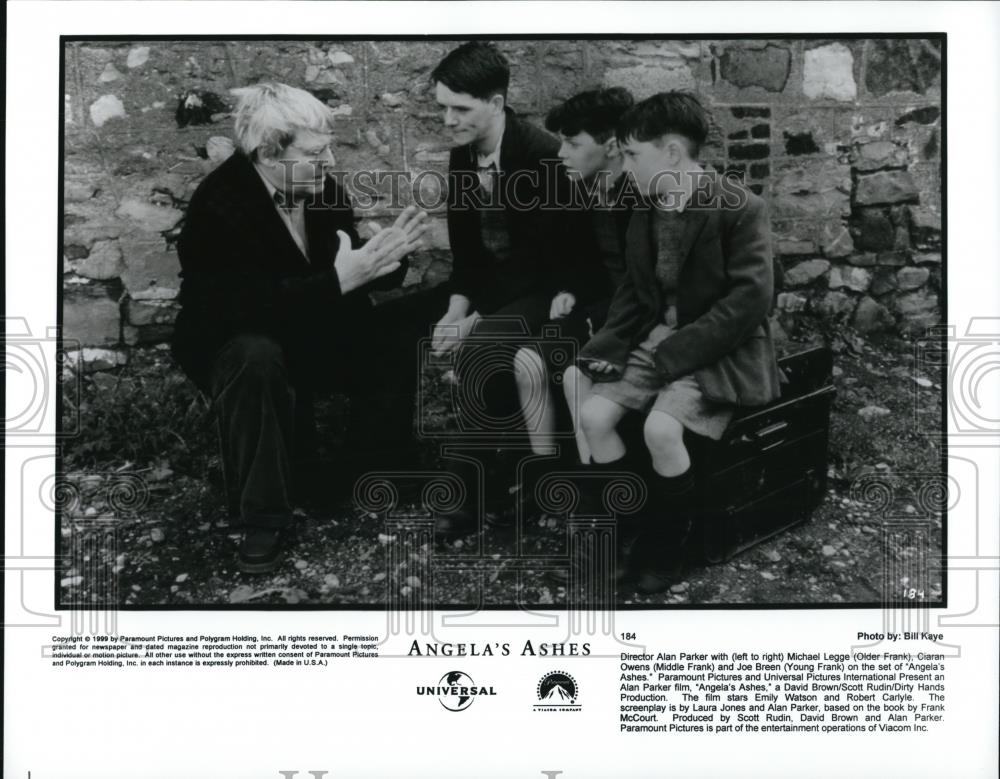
<point x="661" y="577"/>
<point x="260" y="550"/>
<point x="561" y="576"/>
<point x="464" y="519"/>
<point x="627" y="537"/>
<point x="660" y="556"/>
<point x="591" y="504"/>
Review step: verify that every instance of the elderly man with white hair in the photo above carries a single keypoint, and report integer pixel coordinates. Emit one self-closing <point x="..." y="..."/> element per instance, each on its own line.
<point x="275" y="306"/>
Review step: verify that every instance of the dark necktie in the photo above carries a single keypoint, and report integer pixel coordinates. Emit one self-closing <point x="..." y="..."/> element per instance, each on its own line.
<point x="284" y="201"/>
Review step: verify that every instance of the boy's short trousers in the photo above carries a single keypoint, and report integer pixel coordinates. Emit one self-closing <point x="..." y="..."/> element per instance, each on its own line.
<point x="643" y="388"/>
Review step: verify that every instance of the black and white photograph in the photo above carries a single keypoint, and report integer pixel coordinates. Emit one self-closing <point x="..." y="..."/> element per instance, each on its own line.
<point x="562" y="382"/>
<point x="634" y="322"/>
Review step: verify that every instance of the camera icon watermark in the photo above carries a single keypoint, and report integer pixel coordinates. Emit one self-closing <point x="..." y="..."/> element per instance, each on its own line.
<point x="40" y="382"/>
<point x="971" y="365"/>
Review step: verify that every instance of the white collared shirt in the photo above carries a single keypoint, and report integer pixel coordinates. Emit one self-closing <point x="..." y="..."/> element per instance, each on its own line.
<point x="483" y="162"/>
<point x="294" y="218"/>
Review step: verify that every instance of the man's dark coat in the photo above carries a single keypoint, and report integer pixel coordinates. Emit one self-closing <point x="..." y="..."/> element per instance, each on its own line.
<point x="243" y="273"/>
<point x="724" y="295"/>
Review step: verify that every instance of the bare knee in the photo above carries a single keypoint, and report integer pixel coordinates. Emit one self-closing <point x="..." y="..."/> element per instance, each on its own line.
<point x="663" y="433"/>
<point x="596" y="419"/>
<point x="529" y="370"/>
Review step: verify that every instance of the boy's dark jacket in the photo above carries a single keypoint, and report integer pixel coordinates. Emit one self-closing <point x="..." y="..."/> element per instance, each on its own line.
<point x="530" y="189"/>
<point x="724" y="295"/>
<point x="242" y="272"/>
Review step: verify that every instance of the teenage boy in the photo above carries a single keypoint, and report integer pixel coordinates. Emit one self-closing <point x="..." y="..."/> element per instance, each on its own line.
<point x="686" y="340"/>
<point x="507" y="238"/>
<point x="585" y="125"/>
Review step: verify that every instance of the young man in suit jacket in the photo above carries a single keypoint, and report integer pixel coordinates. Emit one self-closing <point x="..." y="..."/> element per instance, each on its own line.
<point x="510" y="254"/>
<point x="274" y="305"/>
<point x="687" y="339"/>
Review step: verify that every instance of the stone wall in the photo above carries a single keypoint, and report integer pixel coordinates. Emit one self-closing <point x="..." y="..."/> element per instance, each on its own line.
<point x="843" y="137"/>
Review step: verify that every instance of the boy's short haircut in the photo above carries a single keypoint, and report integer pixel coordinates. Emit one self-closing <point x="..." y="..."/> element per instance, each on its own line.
<point x="596" y="112"/>
<point x="268" y="115"/>
<point x="475" y="68"/>
<point x="677" y="113"/>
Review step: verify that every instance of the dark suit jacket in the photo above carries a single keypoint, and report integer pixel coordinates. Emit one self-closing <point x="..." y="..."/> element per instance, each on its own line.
<point x="597" y="235"/>
<point x="724" y="295"/>
<point x="243" y="273"/>
<point x="530" y="178"/>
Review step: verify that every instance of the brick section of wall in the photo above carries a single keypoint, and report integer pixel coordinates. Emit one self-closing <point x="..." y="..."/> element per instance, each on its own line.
<point x="843" y="138"/>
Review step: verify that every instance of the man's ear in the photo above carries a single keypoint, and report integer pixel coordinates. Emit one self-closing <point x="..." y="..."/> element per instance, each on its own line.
<point x="497" y="103"/>
<point x="265" y="158"/>
<point x="611" y="148"/>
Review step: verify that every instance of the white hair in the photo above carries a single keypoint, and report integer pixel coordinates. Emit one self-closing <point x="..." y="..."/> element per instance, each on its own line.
<point x="268" y="115"/>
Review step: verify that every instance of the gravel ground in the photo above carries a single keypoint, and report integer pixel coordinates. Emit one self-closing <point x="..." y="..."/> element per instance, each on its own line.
<point x="158" y="535"/>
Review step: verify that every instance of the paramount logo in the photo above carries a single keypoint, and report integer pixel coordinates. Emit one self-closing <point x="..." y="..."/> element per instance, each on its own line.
<point x="557" y="691"/>
<point x="558" y="695"/>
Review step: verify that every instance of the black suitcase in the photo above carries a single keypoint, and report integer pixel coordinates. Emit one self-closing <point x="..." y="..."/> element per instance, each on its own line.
<point x="768" y="472"/>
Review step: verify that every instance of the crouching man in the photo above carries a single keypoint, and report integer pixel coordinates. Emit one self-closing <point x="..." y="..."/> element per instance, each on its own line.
<point x="274" y="306"/>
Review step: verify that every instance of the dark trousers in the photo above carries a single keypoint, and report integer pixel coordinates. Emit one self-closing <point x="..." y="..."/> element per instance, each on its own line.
<point x="488" y="401"/>
<point x="263" y="395"/>
<point x="488" y="404"/>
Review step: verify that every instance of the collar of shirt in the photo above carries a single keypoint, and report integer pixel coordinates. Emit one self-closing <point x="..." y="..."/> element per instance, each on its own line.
<point x="678" y="202"/>
<point x="484" y="160"/>
<point x="608" y="194"/>
<point x="280" y="199"/>
<point x="292" y="215"/>
<point x="684" y="196"/>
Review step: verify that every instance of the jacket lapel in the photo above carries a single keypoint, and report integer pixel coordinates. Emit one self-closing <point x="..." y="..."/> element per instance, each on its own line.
<point x="260" y="207"/>
<point x="697" y="217"/>
<point x="510" y="150"/>
<point x="318" y="239"/>
<point x="694" y="223"/>
<point x="640" y="257"/>
<point x="508" y="143"/>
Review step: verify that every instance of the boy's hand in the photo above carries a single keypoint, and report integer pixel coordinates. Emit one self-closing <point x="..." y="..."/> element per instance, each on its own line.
<point x="450" y="331"/>
<point x="562" y="305"/>
<point x="600" y="366"/>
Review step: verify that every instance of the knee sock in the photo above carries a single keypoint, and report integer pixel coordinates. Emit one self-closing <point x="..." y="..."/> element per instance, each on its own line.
<point x="674" y="504"/>
<point x="591" y="502"/>
<point x="670" y="490"/>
